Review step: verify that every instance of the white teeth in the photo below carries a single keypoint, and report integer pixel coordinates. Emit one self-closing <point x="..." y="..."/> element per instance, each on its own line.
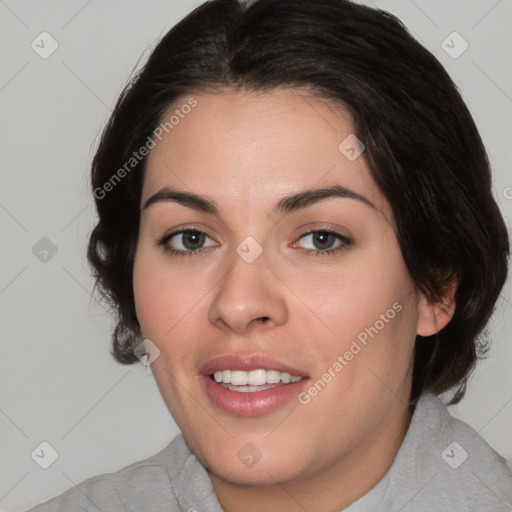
<point x="273" y="376"/>
<point x="239" y="378"/>
<point x="258" y="377"/>
<point x="248" y="389"/>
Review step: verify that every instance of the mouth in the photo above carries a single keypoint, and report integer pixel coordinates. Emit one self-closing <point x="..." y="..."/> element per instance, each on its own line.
<point x="250" y="385"/>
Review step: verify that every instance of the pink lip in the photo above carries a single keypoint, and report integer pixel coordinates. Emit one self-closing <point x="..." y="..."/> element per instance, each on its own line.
<point x="247" y="363"/>
<point x="250" y="404"/>
<point x="254" y="404"/>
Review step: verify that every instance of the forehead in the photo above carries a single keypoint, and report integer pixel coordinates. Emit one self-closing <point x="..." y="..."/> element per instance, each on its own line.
<point x="255" y="147"/>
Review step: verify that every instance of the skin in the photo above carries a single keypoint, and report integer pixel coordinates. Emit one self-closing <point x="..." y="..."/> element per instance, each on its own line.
<point x="246" y="152"/>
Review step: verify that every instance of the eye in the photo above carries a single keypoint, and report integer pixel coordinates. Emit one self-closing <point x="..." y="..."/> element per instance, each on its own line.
<point x="327" y="242"/>
<point x="189" y="242"/>
<point x="185" y="242"/>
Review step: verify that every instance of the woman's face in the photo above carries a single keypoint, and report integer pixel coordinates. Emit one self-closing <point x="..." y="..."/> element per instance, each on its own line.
<point x="313" y="288"/>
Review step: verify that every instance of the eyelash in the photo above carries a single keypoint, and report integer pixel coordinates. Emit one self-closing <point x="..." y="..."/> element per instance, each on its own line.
<point x="312" y="252"/>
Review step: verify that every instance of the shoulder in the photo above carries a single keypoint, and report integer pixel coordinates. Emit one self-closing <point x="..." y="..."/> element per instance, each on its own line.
<point x="142" y="485"/>
<point x="448" y="464"/>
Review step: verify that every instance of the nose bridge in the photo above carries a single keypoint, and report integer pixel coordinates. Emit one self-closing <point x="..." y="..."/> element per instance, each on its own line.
<point x="248" y="291"/>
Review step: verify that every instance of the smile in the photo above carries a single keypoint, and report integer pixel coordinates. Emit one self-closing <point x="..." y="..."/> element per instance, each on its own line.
<point x="250" y="385"/>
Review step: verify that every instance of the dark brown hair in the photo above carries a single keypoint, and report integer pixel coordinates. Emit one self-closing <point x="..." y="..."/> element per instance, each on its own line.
<point x="422" y="148"/>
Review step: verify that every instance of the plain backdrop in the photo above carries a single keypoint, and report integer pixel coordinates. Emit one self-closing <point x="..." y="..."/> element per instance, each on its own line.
<point x="58" y="383"/>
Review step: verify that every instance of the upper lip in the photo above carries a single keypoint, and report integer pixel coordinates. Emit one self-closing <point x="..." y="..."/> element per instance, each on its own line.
<point x="247" y="363"/>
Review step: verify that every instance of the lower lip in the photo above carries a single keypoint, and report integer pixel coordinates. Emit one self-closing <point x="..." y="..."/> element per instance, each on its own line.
<point x="252" y="404"/>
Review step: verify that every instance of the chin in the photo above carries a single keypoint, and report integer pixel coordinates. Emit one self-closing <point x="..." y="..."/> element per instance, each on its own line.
<point x="262" y="474"/>
<point x="240" y="462"/>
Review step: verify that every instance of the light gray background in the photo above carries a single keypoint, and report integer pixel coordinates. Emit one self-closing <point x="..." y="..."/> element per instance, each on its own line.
<point x="58" y="382"/>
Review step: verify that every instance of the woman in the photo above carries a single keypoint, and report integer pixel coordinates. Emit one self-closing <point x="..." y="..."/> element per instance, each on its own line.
<point x="295" y="215"/>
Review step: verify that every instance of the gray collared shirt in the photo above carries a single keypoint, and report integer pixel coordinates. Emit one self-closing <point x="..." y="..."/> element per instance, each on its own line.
<point x="443" y="465"/>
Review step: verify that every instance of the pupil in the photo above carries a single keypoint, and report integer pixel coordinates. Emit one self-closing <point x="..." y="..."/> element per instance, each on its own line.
<point x="321" y="239"/>
<point x="193" y="237"/>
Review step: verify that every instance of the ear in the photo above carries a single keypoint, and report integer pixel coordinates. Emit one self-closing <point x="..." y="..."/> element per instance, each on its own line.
<point x="434" y="316"/>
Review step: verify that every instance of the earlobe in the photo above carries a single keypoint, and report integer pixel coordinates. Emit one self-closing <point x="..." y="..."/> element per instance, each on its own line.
<point x="435" y="315"/>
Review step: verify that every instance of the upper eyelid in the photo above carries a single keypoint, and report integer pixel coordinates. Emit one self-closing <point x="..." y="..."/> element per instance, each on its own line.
<point x="340" y="236"/>
<point x="181" y="231"/>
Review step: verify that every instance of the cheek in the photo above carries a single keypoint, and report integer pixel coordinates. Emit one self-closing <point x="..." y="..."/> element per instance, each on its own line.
<point x="145" y="291"/>
<point x="353" y="297"/>
<point x="368" y="312"/>
<point x="169" y="302"/>
<point x="156" y="294"/>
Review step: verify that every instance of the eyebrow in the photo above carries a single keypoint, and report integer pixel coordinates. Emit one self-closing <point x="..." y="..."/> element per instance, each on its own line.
<point x="286" y="205"/>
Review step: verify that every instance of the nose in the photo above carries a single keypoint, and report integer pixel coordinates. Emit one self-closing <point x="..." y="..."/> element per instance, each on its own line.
<point x="248" y="295"/>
